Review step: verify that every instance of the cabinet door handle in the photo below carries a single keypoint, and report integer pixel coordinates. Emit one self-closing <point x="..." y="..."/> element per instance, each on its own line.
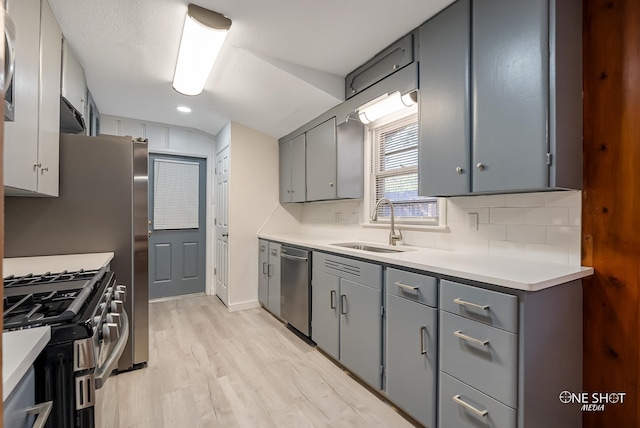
<point x="43" y="169"/>
<point x="332" y="299"/>
<point x="41" y="412"/>
<point x="264" y="267"/>
<point x="423" y="331"/>
<point x="458" y="400"/>
<point x="481" y="166"/>
<point x="343" y="304"/>
<point x="270" y="270"/>
<point x="461" y="302"/>
<point x="463" y="336"/>
<point x="407" y="287"/>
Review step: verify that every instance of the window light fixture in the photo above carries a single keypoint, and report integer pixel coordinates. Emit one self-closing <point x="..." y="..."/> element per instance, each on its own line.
<point x="202" y="38"/>
<point x="384" y="105"/>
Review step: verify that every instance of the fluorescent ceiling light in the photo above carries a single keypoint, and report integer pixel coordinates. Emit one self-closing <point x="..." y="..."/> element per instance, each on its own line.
<point x="384" y="105"/>
<point x="183" y="109"/>
<point x="202" y="38"/>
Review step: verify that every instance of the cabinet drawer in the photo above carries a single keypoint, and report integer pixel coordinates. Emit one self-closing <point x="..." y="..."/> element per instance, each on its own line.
<point x="354" y="270"/>
<point x="481" y="356"/>
<point x="420" y="288"/>
<point x="454" y="414"/>
<point x="488" y="307"/>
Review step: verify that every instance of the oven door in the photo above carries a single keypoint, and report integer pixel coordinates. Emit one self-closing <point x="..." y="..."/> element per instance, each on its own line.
<point x="106" y="397"/>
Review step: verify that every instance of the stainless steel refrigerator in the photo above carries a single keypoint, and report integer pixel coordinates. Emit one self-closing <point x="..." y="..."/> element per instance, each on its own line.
<point x="102" y="207"/>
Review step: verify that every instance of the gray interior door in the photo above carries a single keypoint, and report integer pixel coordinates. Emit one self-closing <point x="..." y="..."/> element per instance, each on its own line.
<point x="177" y="206"/>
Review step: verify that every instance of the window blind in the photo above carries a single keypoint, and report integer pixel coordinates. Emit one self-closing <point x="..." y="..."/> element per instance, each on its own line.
<point x="175" y="194"/>
<point x="394" y="171"/>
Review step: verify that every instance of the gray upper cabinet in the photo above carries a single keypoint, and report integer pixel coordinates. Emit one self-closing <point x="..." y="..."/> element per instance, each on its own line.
<point x="445" y="130"/>
<point x="516" y="67"/>
<point x="387" y="62"/>
<point x="292" y="170"/>
<point x="322" y="161"/>
<point x="511" y="94"/>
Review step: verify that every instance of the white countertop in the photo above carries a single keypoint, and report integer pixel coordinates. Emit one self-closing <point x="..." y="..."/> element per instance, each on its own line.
<point x="20" y="349"/>
<point x="516" y="274"/>
<point x="41" y="264"/>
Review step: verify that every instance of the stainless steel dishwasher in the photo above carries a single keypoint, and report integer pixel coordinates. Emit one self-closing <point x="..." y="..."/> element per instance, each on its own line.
<point x="295" y="306"/>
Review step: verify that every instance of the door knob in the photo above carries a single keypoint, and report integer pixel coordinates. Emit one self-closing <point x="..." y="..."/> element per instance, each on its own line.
<point x="225" y="235"/>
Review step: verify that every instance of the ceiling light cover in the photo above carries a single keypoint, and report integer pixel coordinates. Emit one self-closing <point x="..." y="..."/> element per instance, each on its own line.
<point x="384" y="105"/>
<point x="183" y="109"/>
<point x="203" y="34"/>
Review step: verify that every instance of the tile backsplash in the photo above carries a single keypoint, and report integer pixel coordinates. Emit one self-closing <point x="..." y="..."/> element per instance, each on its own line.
<point x="537" y="226"/>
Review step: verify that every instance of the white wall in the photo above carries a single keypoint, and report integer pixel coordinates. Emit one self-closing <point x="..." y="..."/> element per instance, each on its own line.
<point x="253" y="197"/>
<point x="169" y="139"/>
<point x="536" y="226"/>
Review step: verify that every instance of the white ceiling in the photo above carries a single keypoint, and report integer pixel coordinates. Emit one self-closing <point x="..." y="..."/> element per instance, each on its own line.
<point x="283" y="62"/>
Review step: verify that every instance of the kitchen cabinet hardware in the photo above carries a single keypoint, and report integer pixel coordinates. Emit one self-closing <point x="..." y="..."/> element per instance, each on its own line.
<point x="461" y="302"/>
<point x="343" y="304"/>
<point x="330" y="184"/>
<point x="458" y="400"/>
<point x="332" y="297"/>
<point x="407" y="287"/>
<point x="480" y="166"/>
<point x="41" y="412"/>
<point x="423" y="331"/>
<point x="463" y="336"/>
<point x="149" y="234"/>
<point x="264" y="267"/>
<point x="43" y="169"/>
<point x="459" y="170"/>
<point x="36" y="166"/>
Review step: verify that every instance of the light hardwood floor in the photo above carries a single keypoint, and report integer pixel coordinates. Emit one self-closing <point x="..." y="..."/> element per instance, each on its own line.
<point x="211" y="368"/>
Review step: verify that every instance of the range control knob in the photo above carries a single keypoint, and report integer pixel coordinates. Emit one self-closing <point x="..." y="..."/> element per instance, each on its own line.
<point x="101" y="307"/>
<point x="117" y="306"/>
<point x="122" y="289"/>
<point x="120" y="295"/>
<point x="110" y="332"/>
<point x="113" y="318"/>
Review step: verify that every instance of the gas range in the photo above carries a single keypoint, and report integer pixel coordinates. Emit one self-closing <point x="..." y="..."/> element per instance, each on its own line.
<point x="89" y="330"/>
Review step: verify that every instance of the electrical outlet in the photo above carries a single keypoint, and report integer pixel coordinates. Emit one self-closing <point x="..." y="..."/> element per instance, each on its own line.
<point x="472" y="222"/>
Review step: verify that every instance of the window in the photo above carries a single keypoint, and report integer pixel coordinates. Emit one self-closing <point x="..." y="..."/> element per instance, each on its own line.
<point x="394" y="173"/>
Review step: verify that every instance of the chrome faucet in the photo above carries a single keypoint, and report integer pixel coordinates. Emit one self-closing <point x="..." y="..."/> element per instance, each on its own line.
<point x="393" y="237"/>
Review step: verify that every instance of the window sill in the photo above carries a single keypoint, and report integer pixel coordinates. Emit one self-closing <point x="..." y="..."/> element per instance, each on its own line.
<point x="403" y="226"/>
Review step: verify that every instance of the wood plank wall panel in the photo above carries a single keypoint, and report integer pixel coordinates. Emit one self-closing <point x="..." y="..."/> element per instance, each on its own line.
<point x="611" y="207"/>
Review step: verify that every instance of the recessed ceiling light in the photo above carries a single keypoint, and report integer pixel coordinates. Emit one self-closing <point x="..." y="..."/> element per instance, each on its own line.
<point x="183" y="109"/>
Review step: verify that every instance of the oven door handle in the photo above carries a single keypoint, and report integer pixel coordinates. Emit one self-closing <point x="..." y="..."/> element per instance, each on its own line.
<point x="104" y="371"/>
<point x="41" y="412"/>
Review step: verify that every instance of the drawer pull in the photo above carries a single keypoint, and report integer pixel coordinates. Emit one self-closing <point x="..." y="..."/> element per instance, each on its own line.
<point x="332" y="297"/>
<point x="461" y="302"/>
<point x="458" y="400"/>
<point x="407" y="287"/>
<point x="463" y="336"/>
<point x="343" y="304"/>
<point x="423" y="331"/>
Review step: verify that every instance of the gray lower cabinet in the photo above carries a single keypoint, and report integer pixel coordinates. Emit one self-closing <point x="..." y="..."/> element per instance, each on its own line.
<point x="269" y="275"/>
<point x="347" y="313"/>
<point x="505" y="355"/>
<point x="293" y="170"/>
<point x="411" y="357"/>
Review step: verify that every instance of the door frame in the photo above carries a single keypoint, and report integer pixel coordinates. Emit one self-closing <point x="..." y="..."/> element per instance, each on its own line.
<point x="209" y="250"/>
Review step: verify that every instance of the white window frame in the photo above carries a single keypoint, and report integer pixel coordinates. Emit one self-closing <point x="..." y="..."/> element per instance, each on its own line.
<point x="438" y="223"/>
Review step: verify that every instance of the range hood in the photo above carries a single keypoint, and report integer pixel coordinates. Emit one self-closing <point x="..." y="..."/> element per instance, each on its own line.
<point x="71" y="120"/>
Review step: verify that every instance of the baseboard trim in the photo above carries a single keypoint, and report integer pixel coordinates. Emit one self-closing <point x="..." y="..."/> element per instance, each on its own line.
<point x="243" y="306"/>
<point x="181" y="296"/>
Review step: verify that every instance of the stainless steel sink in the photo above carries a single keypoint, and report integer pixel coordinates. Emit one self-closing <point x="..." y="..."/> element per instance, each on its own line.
<point x="369" y="247"/>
